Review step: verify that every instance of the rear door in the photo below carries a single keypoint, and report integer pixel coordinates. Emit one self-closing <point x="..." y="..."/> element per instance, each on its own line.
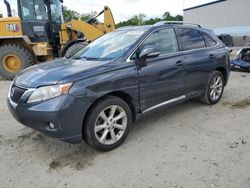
<point x="162" y="79"/>
<point x="197" y="59"/>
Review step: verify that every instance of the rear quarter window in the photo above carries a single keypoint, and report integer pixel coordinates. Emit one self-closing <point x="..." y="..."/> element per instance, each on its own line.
<point x="209" y="41"/>
<point x="190" y="39"/>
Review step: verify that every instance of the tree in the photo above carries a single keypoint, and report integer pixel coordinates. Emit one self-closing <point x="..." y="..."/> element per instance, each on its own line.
<point x="86" y="16"/>
<point x="139" y="19"/>
<point x="166" y="16"/>
<point x="135" y="20"/>
<point x="179" y="17"/>
<point x="70" y="14"/>
<point x="73" y="15"/>
<point x="152" y="21"/>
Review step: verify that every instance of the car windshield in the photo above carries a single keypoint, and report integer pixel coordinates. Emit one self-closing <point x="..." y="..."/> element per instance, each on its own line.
<point x="110" y="46"/>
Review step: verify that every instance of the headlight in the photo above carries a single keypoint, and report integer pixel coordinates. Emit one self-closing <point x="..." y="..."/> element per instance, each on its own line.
<point x="48" y="92"/>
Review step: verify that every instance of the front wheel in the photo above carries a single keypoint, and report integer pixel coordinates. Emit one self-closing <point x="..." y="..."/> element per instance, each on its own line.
<point x="107" y="124"/>
<point x="214" y="89"/>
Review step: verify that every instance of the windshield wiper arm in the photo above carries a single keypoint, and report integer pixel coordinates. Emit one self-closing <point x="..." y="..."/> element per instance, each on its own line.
<point x="87" y="58"/>
<point x="78" y="57"/>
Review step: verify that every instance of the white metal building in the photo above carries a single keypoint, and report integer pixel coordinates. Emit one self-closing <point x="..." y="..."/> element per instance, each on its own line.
<point x="221" y="13"/>
<point x="224" y="17"/>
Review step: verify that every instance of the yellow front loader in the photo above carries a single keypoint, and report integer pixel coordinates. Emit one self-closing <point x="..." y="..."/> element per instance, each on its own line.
<point x="38" y="34"/>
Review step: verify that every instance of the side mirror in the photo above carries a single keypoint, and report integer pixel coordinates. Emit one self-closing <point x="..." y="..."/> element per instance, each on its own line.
<point x="149" y="51"/>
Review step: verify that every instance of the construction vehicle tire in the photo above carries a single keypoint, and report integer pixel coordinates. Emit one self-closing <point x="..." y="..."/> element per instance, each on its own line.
<point x="75" y="48"/>
<point x="13" y="59"/>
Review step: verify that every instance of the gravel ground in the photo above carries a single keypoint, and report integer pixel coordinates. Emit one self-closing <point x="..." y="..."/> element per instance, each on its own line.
<point x="190" y="146"/>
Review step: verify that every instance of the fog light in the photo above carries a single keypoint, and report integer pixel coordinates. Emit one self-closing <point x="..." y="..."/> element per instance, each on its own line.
<point x="51" y="125"/>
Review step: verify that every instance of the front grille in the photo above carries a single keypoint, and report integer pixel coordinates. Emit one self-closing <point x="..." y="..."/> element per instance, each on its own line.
<point x="16" y="93"/>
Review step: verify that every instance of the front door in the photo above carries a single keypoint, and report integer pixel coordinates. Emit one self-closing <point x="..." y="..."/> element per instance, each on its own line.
<point x="161" y="80"/>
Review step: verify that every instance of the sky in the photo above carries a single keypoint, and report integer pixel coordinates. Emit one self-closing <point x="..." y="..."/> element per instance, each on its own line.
<point x="125" y="9"/>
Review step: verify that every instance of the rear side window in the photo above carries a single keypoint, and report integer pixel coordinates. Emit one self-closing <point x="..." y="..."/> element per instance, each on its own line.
<point x="164" y="39"/>
<point x="209" y="42"/>
<point x="190" y="39"/>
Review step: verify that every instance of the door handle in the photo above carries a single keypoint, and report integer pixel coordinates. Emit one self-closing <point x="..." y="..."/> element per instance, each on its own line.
<point x="179" y="63"/>
<point x="211" y="56"/>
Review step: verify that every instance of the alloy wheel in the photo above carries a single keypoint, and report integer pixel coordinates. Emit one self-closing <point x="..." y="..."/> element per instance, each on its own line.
<point x="110" y="125"/>
<point x="216" y="88"/>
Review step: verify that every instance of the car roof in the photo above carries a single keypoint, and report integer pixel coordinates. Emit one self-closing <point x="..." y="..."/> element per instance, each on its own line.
<point x="165" y="24"/>
<point x="128" y="28"/>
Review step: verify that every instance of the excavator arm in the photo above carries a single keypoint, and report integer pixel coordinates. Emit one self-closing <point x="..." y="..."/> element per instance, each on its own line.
<point x="90" y="30"/>
<point x="109" y="22"/>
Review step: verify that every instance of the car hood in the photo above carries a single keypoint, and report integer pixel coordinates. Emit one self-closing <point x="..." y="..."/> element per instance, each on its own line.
<point x="54" y="71"/>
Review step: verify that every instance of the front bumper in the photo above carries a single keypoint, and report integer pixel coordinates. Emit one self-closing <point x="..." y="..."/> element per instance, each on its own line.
<point x="65" y="112"/>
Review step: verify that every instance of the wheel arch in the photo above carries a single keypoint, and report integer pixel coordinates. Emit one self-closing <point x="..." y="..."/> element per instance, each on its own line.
<point x="224" y="73"/>
<point x="122" y="95"/>
<point x="127" y="98"/>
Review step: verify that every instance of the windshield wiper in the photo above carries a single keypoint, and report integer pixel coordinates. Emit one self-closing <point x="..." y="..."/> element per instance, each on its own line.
<point x="87" y="58"/>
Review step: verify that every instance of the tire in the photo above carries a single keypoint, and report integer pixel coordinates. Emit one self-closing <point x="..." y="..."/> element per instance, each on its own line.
<point x="94" y="134"/>
<point x="22" y="56"/>
<point x="214" y="89"/>
<point x="75" y="48"/>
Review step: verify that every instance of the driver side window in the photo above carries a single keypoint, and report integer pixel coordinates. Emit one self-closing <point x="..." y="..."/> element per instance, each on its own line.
<point x="163" y="39"/>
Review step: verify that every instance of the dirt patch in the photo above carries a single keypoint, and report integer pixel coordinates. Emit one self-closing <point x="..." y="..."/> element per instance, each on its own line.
<point x="239" y="104"/>
<point x="54" y="165"/>
<point x="78" y="159"/>
<point x="19" y="140"/>
<point x="28" y="135"/>
<point x="235" y="144"/>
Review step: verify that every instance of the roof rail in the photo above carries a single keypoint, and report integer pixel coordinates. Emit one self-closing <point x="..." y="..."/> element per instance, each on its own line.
<point x="176" y="22"/>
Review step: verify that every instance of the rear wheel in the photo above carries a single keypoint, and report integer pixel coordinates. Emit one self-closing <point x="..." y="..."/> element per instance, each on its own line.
<point x="13" y="59"/>
<point x="108" y="124"/>
<point x="214" y="89"/>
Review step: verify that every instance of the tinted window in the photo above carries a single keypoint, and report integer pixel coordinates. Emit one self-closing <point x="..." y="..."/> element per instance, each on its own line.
<point x="164" y="39"/>
<point x="191" y="39"/>
<point x="209" y="41"/>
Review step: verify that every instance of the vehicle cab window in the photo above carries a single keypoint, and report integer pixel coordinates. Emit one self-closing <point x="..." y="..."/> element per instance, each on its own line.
<point x="34" y="10"/>
<point x="56" y="11"/>
<point x="190" y="39"/>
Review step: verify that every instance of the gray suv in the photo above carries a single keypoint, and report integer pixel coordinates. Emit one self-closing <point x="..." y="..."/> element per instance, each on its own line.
<point x="97" y="93"/>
